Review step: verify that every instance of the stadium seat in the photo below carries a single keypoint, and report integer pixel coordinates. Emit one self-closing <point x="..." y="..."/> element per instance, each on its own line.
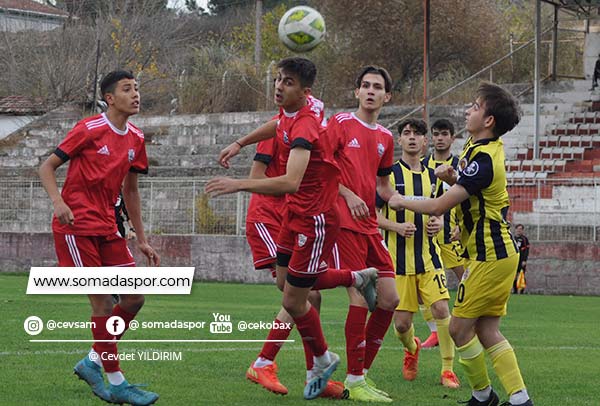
<point x="529" y="178"/>
<point x="541" y="175"/>
<point x="537" y="165"/>
<point x="518" y="178"/>
<point x="594" y="129"/>
<point x="572" y="129"/>
<point x="584" y="129"/>
<point x="595" y="140"/>
<point x="522" y="153"/>
<point x="526" y="165"/>
<point x="586" y="141"/>
<point x="578" y="153"/>
<point x="591" y="117"/>
<point x="513" y="166"/>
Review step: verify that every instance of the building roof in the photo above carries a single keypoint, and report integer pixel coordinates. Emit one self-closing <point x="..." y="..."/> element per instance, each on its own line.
<point x="22" y="105"/>
<point x="32" y="7"/>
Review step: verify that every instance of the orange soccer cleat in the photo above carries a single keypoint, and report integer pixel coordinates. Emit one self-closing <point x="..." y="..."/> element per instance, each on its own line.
<point x="267" y="378"/>
<point x="334" y="390"/>
<point x="411" y="362"/>
<point x="432" y="341"/>
<point x="450" y="380"/>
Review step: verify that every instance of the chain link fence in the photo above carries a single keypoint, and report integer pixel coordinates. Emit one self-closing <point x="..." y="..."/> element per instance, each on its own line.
<point x="550" y="209"/>
<point x="169" y="206"/>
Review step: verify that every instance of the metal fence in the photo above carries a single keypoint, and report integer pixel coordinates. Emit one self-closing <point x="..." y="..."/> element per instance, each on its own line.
<point x="550" y="209"/>
<point x="169" y="206"/>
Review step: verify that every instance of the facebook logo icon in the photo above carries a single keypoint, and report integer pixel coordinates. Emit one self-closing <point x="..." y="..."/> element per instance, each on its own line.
<point x="115" y="325"/>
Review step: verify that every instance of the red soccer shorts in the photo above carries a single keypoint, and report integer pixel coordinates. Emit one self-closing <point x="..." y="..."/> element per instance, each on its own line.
<point x="79" y="250"/>
<point x="357" y="251"/>
<point x="309" y="240"/>
<point x="261" y="239"/>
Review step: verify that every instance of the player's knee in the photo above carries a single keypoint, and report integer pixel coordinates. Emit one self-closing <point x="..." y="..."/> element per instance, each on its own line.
<point x="402" y="325"/>
<point x="314" y="297"/>
<point x="439" y="309"/>
<point x="388" y="302"/>
<point x="132" y="303"/>
<point x="102" y="305"/>
<point x="456" y="333"/>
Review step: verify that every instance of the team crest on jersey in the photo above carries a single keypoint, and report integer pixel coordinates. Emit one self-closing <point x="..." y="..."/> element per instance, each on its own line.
<point x="462" y="164"/>
<point x="380" y="149"/>
<point x="465" y="274"/>
<point x="286" y="139"/>
<point x="131" y="155"/>
<point x="301" y="240"/>
<point x="472" y="169"/>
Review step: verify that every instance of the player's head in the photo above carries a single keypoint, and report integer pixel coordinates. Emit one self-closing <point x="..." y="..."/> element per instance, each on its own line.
<point x="120" y="91"/>
<point x="495" y="110"/>
<point x="373" y="87"/>
<point x="442" y="135"/>
<point x="519" y="229"/>
<point x="412" y="135"/>
<point x="295" y="77"/>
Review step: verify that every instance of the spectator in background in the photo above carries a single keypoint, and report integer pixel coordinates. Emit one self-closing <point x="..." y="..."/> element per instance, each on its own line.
<point x="523" y="247"/>
<point x="596" y="74"/>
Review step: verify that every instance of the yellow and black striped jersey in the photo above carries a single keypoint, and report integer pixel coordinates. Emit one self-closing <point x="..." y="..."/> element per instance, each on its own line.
<point x="450" y="218"/>
<point x="420" y="253"/>
<point x="485" y="233"/>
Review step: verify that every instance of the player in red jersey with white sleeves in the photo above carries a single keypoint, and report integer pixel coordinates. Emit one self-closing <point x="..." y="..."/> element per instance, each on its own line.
<point x="105" y="152"/>
<point x="365" y="155"/>
<point x="310" y="221"/>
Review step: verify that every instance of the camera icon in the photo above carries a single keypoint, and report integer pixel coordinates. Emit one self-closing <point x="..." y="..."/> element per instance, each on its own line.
<point x="33" y="325"/>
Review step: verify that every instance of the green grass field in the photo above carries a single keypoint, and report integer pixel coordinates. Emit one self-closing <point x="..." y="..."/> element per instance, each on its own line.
<point x="556" y="339"/>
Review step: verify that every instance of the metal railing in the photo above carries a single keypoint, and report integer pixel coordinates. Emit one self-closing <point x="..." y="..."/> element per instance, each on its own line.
<point x="550" y="209"/>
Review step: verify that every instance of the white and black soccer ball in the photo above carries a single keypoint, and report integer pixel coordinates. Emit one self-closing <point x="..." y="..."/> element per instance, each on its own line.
<point x="301" y="28"/>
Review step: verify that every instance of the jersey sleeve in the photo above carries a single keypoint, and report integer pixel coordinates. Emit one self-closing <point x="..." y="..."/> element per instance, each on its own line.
<point x="265" y="150"/>
<point x="478" y="174"/>
<point x="387" y="160"/>
<point x="305" y="132"/>
<point x="336" y="134"/>
<point x="140" y="161"/>
<point x="73" y="143"/>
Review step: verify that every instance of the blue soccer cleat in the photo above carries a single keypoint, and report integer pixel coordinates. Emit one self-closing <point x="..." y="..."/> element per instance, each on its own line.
<point x="315" y="386"/>
<point x="91" y="373"/>
<point x="131" y="394"/>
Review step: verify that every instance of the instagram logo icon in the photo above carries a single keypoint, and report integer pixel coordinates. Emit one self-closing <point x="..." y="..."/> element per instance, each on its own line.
<point x="33" y="325"/>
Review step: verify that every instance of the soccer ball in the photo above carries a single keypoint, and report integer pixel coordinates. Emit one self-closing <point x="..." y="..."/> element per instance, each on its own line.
<point x="301" y="28"/>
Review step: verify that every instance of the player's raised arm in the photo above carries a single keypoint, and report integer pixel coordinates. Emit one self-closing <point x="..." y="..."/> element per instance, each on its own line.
<point x="265" y="131"/>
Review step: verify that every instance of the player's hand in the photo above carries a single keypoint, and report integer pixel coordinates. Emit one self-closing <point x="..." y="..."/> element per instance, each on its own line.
<point x="131" y="235"/>
<point x="406" y="230"/>
<point x="63" y="213"/>
<point x="446" y="173"/>
<point x="434" y="225"/>
<point x="148" y="251"/>
<point x="358" y="208"/>
<point x="221" y="186"/>
<point x="227" y="153"/>
<point x="396" y="201"/>
<point x="524" y="265"/>
<point x="455" y="234"/>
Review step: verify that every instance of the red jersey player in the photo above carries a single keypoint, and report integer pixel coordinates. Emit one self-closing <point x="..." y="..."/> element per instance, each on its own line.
<point x="263" y="224"/>
<point x="106" y="151"/>
<point x="365" y="155"/>
<point x="310" y="222"/>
